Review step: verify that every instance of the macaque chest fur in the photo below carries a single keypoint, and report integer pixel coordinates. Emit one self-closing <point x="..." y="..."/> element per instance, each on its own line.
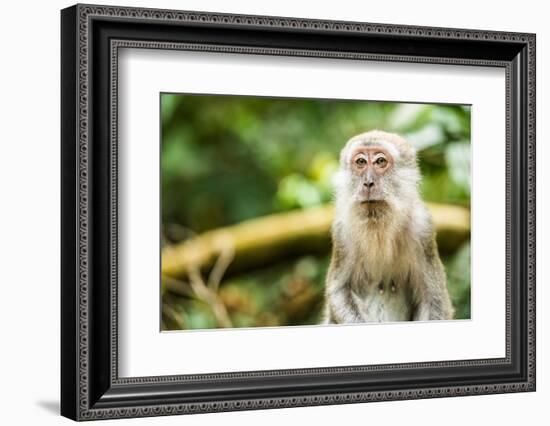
<point x="381" y="267"/>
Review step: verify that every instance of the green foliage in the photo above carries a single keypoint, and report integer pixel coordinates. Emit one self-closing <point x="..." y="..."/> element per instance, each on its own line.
<point x="458" y="276"/>
<point x="226" y="159"/>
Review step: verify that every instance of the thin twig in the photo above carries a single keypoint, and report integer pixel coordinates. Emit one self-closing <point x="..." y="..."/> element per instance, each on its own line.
<point x="171" y="313"/>
<point x="210" y="297"/>
<point x="178" y="287"/>
<point x="222" y="263"/>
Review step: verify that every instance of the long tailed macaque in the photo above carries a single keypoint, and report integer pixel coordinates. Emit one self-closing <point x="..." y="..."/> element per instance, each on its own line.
<point x="385" y="264"/>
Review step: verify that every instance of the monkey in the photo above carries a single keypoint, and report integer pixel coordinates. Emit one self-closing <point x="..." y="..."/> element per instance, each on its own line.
<point x="385" y="264"/>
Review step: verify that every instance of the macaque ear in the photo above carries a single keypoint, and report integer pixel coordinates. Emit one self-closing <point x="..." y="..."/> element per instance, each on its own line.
<point x="407" y="152"/>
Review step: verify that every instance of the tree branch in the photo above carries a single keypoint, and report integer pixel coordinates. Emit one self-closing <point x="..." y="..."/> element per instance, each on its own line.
<point x="267" y="239"/>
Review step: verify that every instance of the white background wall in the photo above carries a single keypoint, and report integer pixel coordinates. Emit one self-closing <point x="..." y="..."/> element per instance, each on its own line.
<point x="29" y="212"/>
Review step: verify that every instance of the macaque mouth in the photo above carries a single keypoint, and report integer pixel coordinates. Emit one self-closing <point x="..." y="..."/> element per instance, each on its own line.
<point x="374" y="205"/>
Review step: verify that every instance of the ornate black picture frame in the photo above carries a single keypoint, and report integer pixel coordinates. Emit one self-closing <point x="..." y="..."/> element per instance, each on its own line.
<point x="91" y="36"/>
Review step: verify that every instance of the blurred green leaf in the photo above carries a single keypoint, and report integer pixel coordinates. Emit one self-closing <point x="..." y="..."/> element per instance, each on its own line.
<point x="458" y="281"/>
<point x="425" y="137"/>
<point x="168" y="105"/>
<point x="296" y="191"/>
<point x="457" y="155"/>
<point x="408" y="117"/>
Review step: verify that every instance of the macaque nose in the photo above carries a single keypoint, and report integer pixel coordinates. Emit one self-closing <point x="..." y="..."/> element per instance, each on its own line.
<point x="369" y="184"/>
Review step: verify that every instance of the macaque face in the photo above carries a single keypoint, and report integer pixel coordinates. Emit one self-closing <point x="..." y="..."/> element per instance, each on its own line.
<point x="368" y="166"/>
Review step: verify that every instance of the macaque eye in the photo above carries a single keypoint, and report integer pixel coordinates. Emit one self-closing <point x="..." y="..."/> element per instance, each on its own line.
<point x="361" y="162"/>
<point x="381" y="162"/>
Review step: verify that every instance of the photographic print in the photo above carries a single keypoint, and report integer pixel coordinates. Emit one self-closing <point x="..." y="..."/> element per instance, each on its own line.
<point x="300" y="212"/>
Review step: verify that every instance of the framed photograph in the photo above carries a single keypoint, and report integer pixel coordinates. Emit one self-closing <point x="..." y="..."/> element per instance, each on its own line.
<point x="263" y="212"/>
